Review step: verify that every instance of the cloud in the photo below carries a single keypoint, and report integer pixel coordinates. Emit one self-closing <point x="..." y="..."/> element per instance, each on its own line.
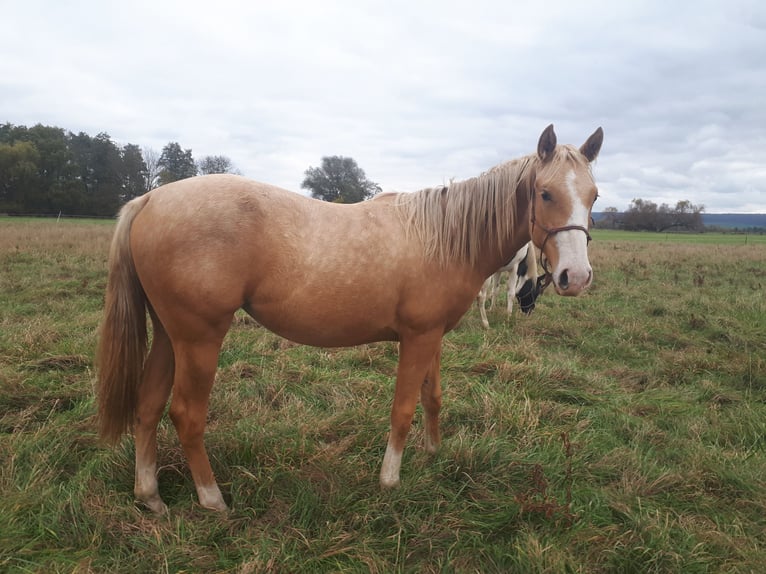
<point x="417" y="93"/>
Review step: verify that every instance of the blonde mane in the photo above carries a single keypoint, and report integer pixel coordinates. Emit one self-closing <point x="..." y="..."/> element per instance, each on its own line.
<point x="453" y="221"/>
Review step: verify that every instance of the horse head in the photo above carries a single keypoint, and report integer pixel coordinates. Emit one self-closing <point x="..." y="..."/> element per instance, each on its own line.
<point x="563" y="192"/>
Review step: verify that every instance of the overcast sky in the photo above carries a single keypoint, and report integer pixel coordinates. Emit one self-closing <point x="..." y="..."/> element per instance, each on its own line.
<point x="418" y="93"/>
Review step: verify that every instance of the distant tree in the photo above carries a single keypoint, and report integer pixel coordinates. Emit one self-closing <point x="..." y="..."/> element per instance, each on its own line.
<point x="99" y="166"/>
<point x="7" y="131"/>
<point x="641" y="215"/>
<point x="153" y="169"/>
<point x="53" y="185"/>
<point x="664" y="219"/>
<point x="216" y="164"/>
<point x="47" y="170"/>
<point x="610" y="218"/>
<point x="108" y="168"/>
<point x="688" y="215"/>
<point x="134" y="173"/>
<point x="645" y="215"/>
<point x="339" y="180"/>
<point x="59" y="188"/>
<point x="18" y="175"/>
<point x="176" y="164"/>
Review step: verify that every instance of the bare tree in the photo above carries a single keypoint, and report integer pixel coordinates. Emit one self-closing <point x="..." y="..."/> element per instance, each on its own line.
<point x="646" y="215"/>
<point x="153" y="169"/>
<point x="610" y="218"/>
<point x="216" y="164"/>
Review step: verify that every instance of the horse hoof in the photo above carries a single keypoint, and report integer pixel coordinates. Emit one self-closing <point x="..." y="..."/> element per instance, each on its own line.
<point x="432" y="447"/>
<point x="389" y="483"/>
<point x="155" y="504"/>
<point x="222" y="508"/>
<point x="210" y="497"/>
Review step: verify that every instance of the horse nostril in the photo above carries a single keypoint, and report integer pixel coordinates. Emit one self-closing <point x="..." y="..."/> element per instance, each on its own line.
<point x="564" y="280"/>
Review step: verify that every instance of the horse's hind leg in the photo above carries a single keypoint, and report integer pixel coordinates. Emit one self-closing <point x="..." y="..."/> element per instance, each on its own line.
<point x="494" y="285"/>
<point x="431" y="399"/>
<point x="512" y="283"/>
<point x="153" y="394"/>
<point x="196" y="362"/>
<point x="481" y="301"/>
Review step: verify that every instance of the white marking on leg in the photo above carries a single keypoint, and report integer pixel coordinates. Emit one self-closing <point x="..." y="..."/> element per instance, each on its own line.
<point x="513" y="288"/>
<point x="482" y="301"/>
<point x="146" y="487"/>
<point x="392" y="463"/>
<point x="146" y="478"/>
<point x="210" y="497"/>
<point x="431" y="445"/>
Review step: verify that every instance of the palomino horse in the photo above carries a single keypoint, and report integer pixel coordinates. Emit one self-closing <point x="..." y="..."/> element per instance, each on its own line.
<point x="523" y="284"/>
<point x="405" y="269"/>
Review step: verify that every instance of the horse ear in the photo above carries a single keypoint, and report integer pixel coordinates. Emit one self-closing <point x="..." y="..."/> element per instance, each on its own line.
<point x="592" y="146"/>
<point x="547" y="144"/>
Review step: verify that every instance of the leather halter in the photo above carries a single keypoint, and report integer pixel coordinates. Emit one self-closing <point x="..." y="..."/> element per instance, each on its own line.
<point x="549" y="232"/>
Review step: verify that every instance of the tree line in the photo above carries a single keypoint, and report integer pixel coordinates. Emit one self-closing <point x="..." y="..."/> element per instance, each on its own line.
<point x="645" y="215"/>
<point x="48" y="170"/>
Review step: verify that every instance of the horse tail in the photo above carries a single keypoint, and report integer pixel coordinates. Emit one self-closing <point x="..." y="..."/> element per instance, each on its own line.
<point x="123" y="336"/>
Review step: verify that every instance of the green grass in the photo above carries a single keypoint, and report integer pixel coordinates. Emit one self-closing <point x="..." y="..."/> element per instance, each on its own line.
<point x="622" y="431"/>
<point x="709" y="238"/>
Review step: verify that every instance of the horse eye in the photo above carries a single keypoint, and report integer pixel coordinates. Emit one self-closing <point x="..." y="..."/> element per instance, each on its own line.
<point x="546" y="196"/>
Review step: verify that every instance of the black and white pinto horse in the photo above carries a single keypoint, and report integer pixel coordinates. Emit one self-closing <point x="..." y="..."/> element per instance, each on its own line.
<point x="523" y="284"/>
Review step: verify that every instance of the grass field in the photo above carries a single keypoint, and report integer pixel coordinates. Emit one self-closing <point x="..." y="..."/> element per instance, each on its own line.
<point x="622" y="431"/>
<point x="709" y="238"/>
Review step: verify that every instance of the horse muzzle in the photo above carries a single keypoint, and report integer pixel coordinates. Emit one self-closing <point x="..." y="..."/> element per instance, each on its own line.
<point x="572" y="281"/>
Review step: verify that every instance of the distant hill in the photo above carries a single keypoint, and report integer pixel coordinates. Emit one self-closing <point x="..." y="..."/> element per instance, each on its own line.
<point x="740" y="220"/>
<point x="727" y="220"/>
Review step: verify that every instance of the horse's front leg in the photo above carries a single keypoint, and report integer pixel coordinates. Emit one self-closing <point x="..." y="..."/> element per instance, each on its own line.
<point x="416" y="357"/>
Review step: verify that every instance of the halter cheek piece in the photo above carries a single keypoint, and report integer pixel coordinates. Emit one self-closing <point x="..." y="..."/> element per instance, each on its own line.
<point x="548" y="234"/>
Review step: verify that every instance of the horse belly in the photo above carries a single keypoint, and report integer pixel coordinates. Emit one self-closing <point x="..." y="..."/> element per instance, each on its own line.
<point x="323" y="325"/>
